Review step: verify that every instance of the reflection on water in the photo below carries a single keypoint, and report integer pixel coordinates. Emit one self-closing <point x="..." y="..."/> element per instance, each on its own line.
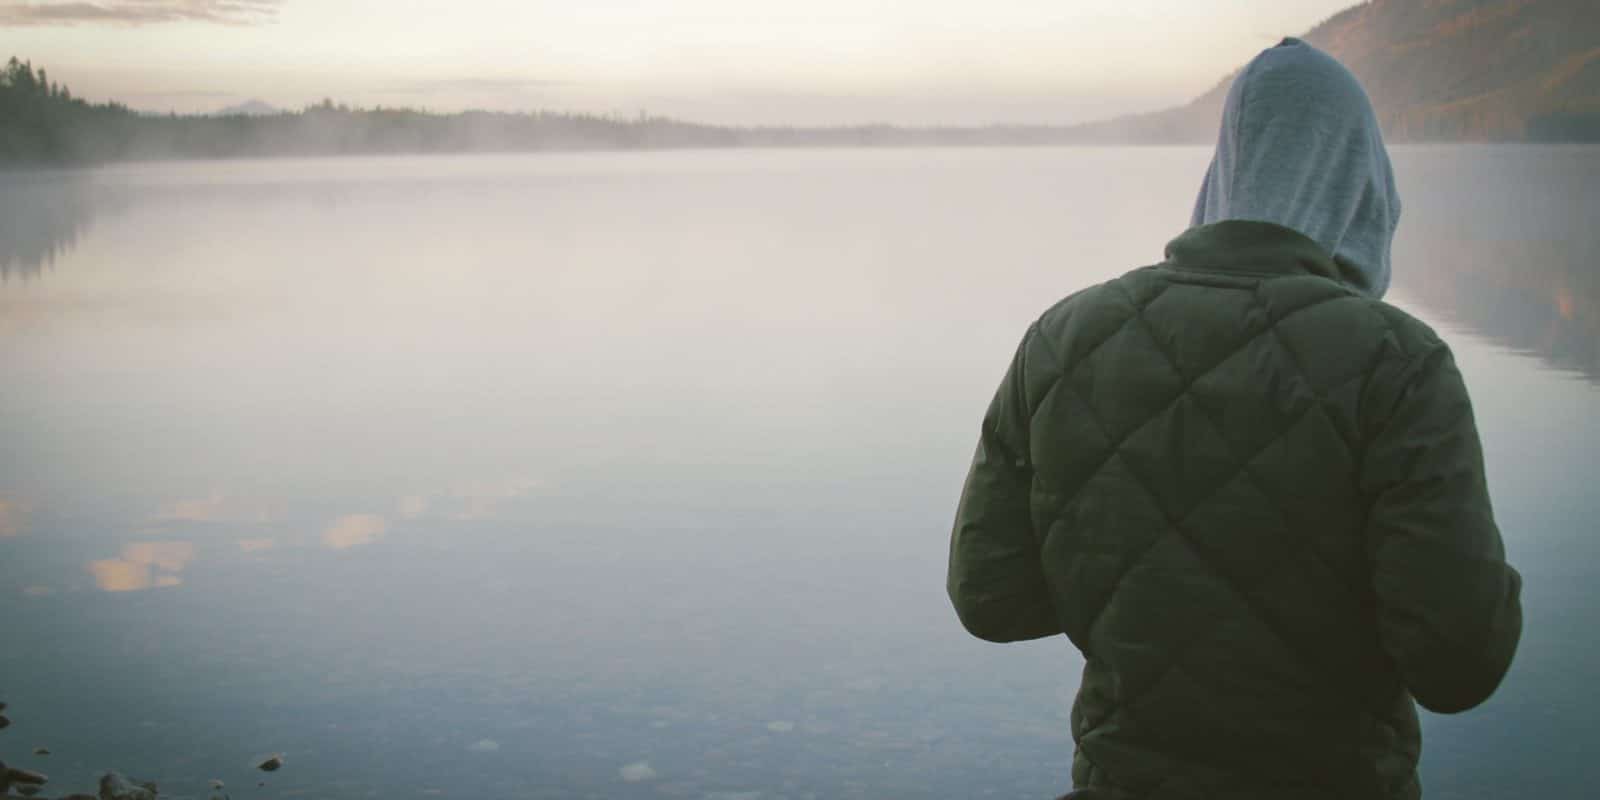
<point x="1517" y="268"/>
<point x="1539" y="297"/>
<point x="214" y="508"/>
<point x="12" y="518"/>
<point x="41" y="217"/>
<point x="143" y="565"/>
<point x="630" y="475"/>
<point x="1507" y="251"/>
<point x="354" y="530"/>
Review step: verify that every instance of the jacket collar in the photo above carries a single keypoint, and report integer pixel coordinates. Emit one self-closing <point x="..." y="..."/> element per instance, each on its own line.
<point x="1249" y="247"/>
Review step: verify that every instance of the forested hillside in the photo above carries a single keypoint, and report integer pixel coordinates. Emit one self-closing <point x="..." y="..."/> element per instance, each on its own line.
<point x="1443" y="70"/>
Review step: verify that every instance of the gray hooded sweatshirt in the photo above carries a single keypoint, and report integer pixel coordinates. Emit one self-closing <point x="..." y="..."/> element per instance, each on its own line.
<point x="1300" y="147"/>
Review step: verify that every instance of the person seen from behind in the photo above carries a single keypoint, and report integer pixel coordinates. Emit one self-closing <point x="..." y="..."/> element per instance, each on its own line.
<point x="1247" y="489"/>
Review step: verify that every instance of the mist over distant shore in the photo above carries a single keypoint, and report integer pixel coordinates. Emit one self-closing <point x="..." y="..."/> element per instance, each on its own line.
<point x="1469" y="71"/>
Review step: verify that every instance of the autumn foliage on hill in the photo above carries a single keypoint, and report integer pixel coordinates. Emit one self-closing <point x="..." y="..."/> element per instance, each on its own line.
<point x="1474" y="69"/>
<point x="1440" y="70"/>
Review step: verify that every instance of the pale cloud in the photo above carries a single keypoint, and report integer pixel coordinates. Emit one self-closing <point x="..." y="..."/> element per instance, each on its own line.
<point x="354" y="530"/>
<point x="256" y="545"/>
<point x="459" y="85"/>
<point x="137" y="12"/>
<point x="201" y="93"/>
<point x="143" y="565"/>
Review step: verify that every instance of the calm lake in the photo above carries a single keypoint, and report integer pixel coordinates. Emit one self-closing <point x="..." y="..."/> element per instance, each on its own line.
<point x="631" y="475"/>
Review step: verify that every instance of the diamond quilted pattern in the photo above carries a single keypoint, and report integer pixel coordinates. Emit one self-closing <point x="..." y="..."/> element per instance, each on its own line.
<point x="1205" y="452"/>
<point x="1196" y="329"/>
<point x="1067" y="426"/>
<point x="1121" y="383"/>
<point x="1103" y="532"/>
<point x="1250" y="397"/>
<point x="1180" y="456"/>
<point x="1195" y="450"/>
<point x="1238" y="531"/>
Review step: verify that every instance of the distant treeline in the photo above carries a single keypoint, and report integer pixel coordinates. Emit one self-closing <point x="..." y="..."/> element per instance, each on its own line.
<point x="41" y="122"/>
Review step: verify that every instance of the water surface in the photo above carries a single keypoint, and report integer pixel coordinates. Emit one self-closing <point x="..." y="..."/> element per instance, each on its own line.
<point x="630" y="475"/>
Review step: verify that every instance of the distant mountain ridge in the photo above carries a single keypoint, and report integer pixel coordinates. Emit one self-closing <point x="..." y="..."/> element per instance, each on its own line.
<point x="249" y="108"/>
<point x="1439" y="70"/>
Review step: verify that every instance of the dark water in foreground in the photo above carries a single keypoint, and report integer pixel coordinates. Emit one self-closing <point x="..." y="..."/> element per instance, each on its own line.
<point x="595" y="476"/>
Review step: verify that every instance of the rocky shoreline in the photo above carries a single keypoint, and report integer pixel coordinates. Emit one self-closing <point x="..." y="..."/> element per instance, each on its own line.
<point x="17" y="783"/>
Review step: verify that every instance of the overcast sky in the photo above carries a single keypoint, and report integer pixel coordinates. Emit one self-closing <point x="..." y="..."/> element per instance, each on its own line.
<point x="724" y="61"/>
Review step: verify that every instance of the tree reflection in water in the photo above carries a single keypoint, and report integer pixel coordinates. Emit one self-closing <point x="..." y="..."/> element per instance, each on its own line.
<point x="1513" y="267"/>
<point x="1506" y="248"/>
<point x="1536" y="297"/>
<point x="42" y="215"/>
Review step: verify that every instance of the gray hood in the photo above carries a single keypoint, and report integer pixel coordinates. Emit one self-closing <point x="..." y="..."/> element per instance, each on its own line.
<point x="1300" y="147"/>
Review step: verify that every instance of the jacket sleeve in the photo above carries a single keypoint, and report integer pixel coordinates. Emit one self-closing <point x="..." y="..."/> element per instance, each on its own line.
<point x="1448" y="606"/>
<point x="995" y="578"/>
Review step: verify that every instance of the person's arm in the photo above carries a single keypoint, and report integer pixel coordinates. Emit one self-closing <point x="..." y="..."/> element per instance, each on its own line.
<point x="995" y="579"/>
<point x="1448" y="605"/>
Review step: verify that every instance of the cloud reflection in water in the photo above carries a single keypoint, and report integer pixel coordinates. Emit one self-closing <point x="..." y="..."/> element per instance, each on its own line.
<point x="143" y="565"/>
<point x="215" y="507"/>
<point x="354" y="530"/>
<point x="12" y="518"/>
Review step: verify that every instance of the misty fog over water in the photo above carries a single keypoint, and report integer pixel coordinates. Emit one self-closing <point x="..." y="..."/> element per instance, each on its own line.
<point x="631" y="475"/>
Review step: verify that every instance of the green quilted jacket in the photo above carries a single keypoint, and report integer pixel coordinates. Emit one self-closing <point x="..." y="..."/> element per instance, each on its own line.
<point x="1254" y="498"/>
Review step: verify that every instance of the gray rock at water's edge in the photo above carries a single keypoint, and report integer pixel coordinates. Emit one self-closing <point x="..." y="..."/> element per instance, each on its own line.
<point x="80" y="796"/>
<point x="12" y="776"/>
<point x="5" y="722"/>
<point x="41" y="751"/>
<point x="28" y="790"/>
<point x="115" y="787"/>
<point x="26" y="776"/>
<point x="271" y="764"/>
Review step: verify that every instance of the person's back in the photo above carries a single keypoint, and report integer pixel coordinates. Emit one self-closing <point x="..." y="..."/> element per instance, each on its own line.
<point x="1249" y="491"/>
